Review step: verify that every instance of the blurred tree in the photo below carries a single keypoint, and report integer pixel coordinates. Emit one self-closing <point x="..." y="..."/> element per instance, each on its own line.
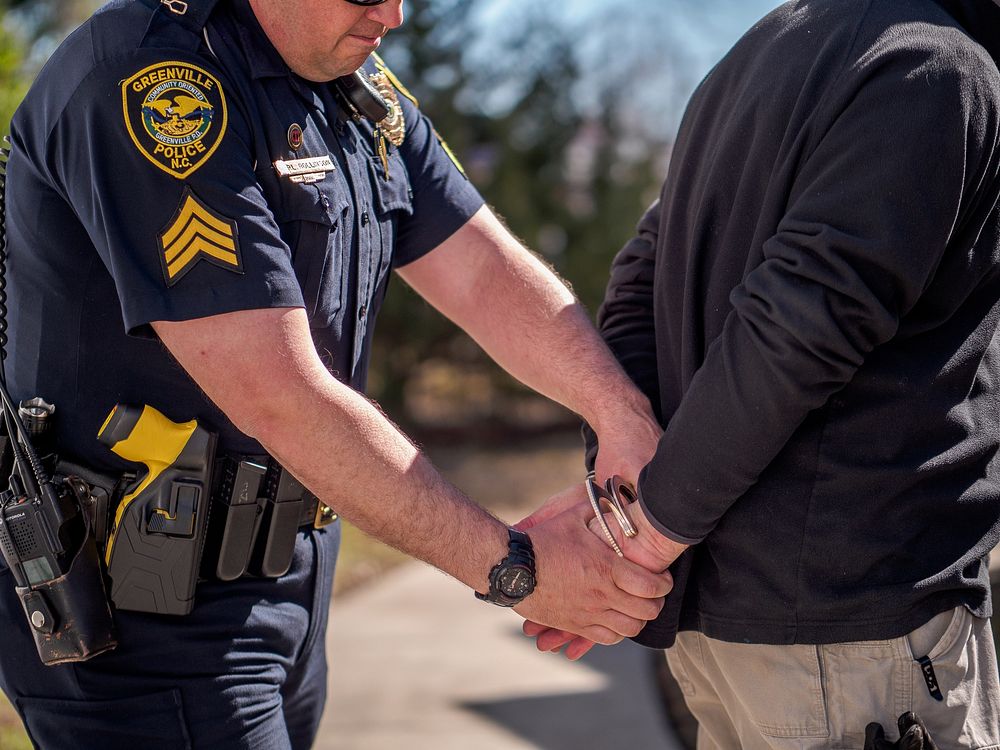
<point x="568" y="178"/>
<point x="44" y="24"/>
<point x="29" y="32"/>
<point x="13" y="81"/>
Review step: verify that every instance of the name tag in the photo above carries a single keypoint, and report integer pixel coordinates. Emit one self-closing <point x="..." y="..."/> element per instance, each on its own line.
<point x="312" y="169"/>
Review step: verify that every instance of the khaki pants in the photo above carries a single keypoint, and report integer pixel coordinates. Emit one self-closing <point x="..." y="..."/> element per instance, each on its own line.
<point x="756" y="697"/>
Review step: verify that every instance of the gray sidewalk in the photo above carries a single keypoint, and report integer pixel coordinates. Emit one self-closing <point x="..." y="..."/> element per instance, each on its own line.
<point x="417" y="663"/>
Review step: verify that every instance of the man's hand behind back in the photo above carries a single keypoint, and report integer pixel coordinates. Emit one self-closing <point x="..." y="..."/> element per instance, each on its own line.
<point x="583" y="587"/>
<point x="648" y="548"/>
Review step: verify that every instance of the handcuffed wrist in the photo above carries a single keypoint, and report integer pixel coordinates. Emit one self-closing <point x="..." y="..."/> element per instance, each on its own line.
<point x="623" y="409"/>
<point x="664" y="530"/>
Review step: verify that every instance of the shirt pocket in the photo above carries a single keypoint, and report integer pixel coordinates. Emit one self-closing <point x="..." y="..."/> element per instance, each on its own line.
<point x="391" y="199"/>
<point x="313" y="223"/>
<point x="394" y="193"/>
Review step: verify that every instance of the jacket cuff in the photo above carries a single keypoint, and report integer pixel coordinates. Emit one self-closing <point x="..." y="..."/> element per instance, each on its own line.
<point x="665" y="531"/>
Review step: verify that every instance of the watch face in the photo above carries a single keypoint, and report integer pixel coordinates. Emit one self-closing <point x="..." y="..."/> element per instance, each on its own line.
<point x="516" y="582"/>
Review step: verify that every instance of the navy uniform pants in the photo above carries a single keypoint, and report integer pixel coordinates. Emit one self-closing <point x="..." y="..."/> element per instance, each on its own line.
<point x="246" y="669"/>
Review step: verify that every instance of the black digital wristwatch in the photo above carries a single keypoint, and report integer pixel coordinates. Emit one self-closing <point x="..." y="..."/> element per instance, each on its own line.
<point x="513" y="578"/>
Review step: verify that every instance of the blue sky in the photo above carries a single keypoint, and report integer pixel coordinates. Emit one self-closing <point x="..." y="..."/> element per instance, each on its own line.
<point x="712" y="26"/>
<point x="658" y="48"/>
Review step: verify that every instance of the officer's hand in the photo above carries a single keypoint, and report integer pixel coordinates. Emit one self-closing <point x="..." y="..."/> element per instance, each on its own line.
<point x="648" y="548"/>
<point x="626" y="443"/>
<point x="571" y="497"/>
<point x="913" y="735"/>
<point x="584" y="588"/>
<point x="546" y="638"/>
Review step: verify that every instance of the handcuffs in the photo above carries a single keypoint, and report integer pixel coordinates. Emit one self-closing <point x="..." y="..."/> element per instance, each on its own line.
<point x="616" y="494"/>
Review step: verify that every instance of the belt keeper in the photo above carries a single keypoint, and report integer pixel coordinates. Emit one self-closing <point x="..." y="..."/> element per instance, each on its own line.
<point x="325" y="515"/>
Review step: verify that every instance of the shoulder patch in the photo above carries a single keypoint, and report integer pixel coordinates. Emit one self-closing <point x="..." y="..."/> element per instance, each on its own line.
<point x="451" y="154"/>
<point x="176" y="114"/>
<point x="196" y="232"/>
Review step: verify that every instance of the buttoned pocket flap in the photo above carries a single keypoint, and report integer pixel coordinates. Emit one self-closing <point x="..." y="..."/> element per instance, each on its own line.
<point x="392" y="192"/>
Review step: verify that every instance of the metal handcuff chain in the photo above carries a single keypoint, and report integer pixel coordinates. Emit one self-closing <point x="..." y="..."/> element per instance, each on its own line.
<point x="616" y="494"/>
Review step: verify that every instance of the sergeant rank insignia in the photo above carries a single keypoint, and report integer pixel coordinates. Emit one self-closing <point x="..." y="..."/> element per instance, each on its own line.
<point x="175" y="113"/>
<point x="197" y="232"/>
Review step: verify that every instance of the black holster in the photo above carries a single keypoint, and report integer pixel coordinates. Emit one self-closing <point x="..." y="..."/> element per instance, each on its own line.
<point x="69" y="619"/>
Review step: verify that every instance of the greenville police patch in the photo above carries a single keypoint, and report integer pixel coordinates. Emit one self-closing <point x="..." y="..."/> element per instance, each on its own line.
<point x="176" y="114"/>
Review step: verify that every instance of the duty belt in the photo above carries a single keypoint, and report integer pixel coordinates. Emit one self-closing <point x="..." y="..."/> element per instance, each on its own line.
<point x="256" y="511"/>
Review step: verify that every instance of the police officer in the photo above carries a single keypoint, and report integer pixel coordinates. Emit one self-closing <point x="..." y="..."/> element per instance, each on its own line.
<point x="201" y="220"/>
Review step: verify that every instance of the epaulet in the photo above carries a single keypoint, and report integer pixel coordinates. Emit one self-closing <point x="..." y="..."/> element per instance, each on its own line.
<point x="383" y="68"/>
<point x="189" y="17"/>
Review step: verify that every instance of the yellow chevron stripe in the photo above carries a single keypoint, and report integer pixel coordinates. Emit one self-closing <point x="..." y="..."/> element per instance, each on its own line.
<point x="200" y="247"/>
<point x="196" y="228"/>
<point x="192" y="208"/>
<point x="197" y="232"/>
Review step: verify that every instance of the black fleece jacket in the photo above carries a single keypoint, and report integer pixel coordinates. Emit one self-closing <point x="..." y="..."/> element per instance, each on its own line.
<point x="812" y="305"/>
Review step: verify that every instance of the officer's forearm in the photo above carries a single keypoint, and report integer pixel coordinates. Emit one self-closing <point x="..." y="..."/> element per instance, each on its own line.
<point x="334" y="440"/>
<point x="261" y="368"/>
<point x="519" y="311"/>
<point x="353" y="457"/>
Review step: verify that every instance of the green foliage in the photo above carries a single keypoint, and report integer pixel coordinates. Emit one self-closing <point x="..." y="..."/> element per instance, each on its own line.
<point x="13" y="81"/>
<point x="12" y="734"/>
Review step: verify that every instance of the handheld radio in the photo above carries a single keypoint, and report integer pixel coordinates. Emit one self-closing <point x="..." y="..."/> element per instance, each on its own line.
<point x="362" y="96"/>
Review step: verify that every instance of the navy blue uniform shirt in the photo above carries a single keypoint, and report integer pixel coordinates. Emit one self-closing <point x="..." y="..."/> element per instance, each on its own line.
<point x="167" y="170"/>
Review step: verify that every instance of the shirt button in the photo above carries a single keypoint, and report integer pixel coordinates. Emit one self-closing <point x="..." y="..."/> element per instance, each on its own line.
<point x="362" y="312"/>
<point x="364" y="219"/>
<point x="325" y="201"/>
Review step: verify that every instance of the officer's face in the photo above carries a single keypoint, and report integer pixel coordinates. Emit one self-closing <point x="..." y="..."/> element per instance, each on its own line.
<point x="325" y="39"/>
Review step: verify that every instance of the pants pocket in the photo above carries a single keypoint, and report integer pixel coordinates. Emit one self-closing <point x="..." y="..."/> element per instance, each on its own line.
<point x="963" y="660"/>
<point x="780" y="687"/>
<point x="147" y="722"/>
<point x="675" y="661"/>
<point x="939" y="634"/>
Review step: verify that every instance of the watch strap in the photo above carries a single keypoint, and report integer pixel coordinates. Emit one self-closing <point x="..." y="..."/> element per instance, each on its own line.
<point x="519" y="547"/>
<point x="519" y="552"/>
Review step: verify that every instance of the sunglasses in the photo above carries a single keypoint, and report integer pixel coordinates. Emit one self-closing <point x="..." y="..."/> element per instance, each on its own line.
<point x="366" y="2"/>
